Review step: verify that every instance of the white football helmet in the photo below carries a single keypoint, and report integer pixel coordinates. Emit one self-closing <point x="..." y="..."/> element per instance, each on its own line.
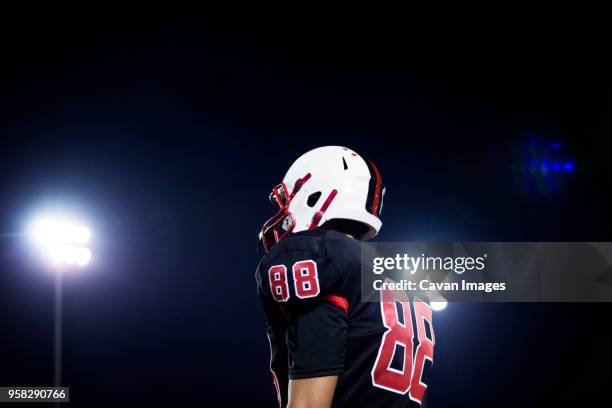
<point x="324" y="184"/>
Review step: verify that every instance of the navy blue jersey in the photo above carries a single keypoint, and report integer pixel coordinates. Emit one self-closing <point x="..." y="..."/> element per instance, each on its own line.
<point x="310" y="287"/>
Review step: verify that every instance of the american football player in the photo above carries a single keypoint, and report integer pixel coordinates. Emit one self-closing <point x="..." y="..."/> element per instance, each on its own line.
<point x="329" y="347"/>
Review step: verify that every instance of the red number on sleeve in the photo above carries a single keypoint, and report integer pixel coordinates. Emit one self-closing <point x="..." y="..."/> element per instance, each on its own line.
<point x="306" y="279"/>
<point x="277" y="275"/>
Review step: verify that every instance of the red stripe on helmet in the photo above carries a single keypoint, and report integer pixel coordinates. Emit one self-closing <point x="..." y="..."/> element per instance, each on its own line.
<point x="298" y="184"/>
<point x="319" y="214"/>
<point x="377" y="190"/>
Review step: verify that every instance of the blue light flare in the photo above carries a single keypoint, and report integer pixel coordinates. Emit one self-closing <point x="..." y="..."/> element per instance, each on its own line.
<point x="544" y="165"/>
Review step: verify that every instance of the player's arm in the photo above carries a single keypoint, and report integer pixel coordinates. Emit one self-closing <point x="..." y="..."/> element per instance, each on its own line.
<point x="276" y="331"/>
<point x="316" y="348"/>
<point x="304" y="288"/>
<point x="315" y="392"/>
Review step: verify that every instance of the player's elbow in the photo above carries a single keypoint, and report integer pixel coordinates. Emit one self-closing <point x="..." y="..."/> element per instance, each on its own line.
<point x="312" y="392"/>
<point x="309" y="403"/>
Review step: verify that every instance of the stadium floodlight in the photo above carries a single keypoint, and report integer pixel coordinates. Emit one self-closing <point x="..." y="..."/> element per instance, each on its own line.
<point x="438" y="305"/>
<point x="70" y="255"/>
<point x="437" y="302"/>
<point x="61" y="241"/>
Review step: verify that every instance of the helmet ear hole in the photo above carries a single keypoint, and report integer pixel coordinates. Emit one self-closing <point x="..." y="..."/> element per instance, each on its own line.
<point x="313" y="198"/>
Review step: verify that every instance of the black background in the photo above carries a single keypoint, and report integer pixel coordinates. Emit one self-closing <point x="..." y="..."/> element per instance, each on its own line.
<point x="168" y="134"/>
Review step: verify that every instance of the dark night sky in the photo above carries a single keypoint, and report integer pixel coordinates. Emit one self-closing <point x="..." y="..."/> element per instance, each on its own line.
<point x="168" y="137"/>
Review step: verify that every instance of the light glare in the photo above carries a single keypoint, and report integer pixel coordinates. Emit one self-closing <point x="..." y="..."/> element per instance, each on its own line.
<point x="438" y="305"/>
<point x="83" y="256"/>
<point x="82" y="234"/>
<point x="61" y="241"/>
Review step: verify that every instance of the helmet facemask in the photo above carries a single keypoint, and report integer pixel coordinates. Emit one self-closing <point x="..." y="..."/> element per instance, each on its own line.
<point x="283" y="222"/>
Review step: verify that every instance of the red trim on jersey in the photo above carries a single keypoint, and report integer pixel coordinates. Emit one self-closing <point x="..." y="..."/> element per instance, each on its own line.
<point x="319" y="214"/>
<point x="339" y="301"/>
<point x="377" y="192"/>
